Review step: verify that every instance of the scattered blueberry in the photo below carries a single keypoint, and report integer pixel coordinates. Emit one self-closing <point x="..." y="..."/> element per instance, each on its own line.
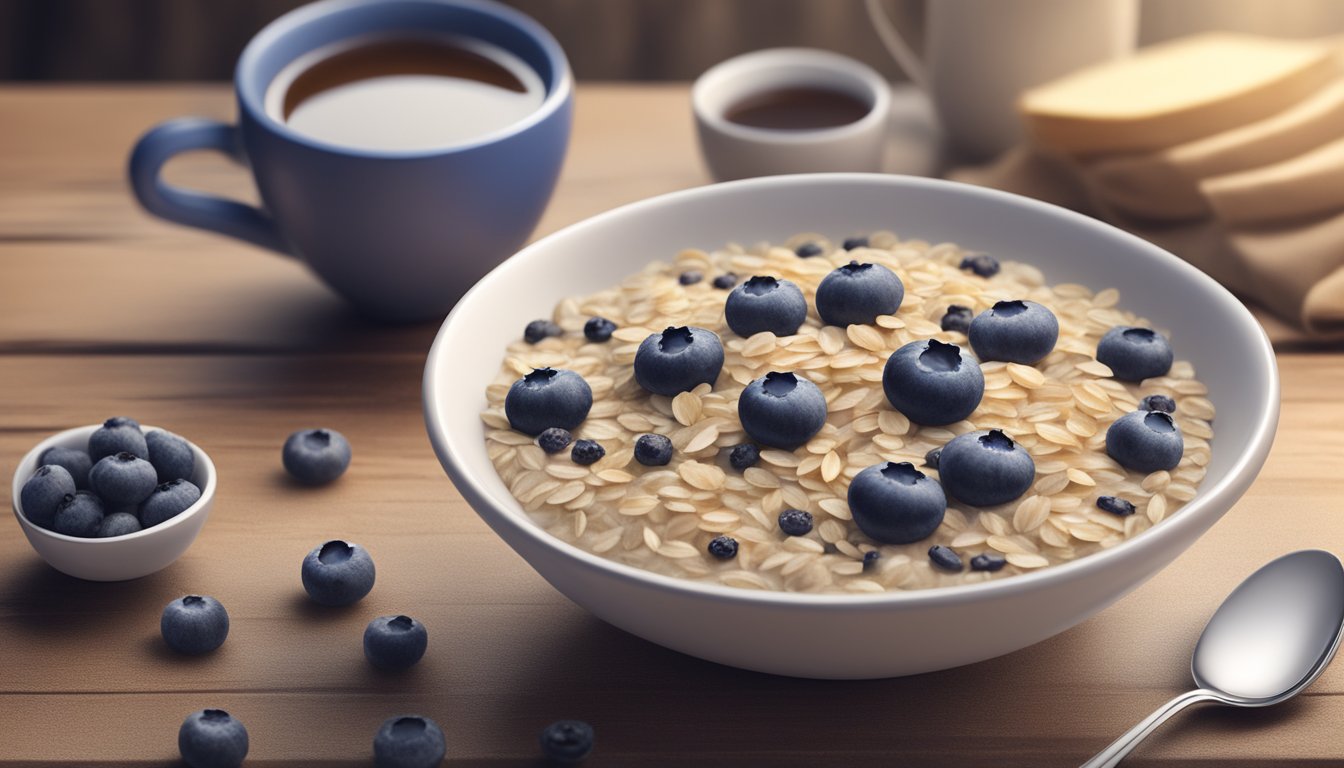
<point x="1135" y="354"/>
<point x="985" y="468"/>
<point x="743" y="456"/>
<point x="171" y="455"/>
<point x="690" y="278"/>
<point x="316" y="456"/>
<point x="338" y="573"/>
<point x="118" y="524"/>
<point x="1145" y="441"/>
<point x="957" y="318"/>
<point x="80" y="514"/>
<point x="194" y="624"/>
<point x="725" y="281"/>
<point x="765" y="303"/>
<point x="567" y="741"/>
<point x="857" y="293"/>
<point x="587" y="452"/>
<point x="855" y="242"/>
<point x="118" y="434"/>
<point x="723" y="547"/>
<point x="781" y="410"/>
<point x="989" y="561"/>
<point x="554" y="439"/>
<point x="945" y="558"/>
<point x="541" y="329"/>
<point x="1014" y="331"/>
<point x="547" y="398"/>
<point x="168" y="500"/>
<point x="894" y="503"/>
<point x="212" y="738"/>
<point x="678" y="359"/>
<point x="931" y="458"/>
<point x="981" y="264"/>
<point x="395" y="642"/>
<point x="933" y="383"/>
<point x="598" y="329"/>
<point x="409" y="741"/>
<point x="795" y="522"/>
<point x="123" y="479"/>
<point x="653" y="450"/>
<point x="808" y="250"/>
<point x="43" y="493"/>
<point x="72" y="460"/>
<point x="1115" y="505"/>
<point x="1150" y="403"/>
<point x="870" y="559"/>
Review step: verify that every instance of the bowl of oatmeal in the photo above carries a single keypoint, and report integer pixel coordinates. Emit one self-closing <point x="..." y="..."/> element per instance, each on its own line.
<point x="867" y="415"/>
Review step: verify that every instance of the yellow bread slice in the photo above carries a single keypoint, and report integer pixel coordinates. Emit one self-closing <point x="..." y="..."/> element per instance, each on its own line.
<point x="1175" y="92"/>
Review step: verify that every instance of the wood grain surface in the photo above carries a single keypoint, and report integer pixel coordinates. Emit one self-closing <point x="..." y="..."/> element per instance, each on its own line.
<point x="104" y="311"/>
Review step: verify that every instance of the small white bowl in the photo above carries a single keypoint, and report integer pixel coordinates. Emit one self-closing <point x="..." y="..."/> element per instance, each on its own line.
<point x="121" y="557"/>
<point x="735" y="151"/>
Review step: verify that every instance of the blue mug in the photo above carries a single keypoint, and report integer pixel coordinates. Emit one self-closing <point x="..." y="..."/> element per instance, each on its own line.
<point x="400" y="234"/>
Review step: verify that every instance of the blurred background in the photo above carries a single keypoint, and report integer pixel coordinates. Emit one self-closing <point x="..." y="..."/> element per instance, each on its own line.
<point x="605" y="39"/>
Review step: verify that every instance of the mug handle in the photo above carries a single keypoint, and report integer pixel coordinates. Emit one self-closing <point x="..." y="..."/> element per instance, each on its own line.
<point x="196" y="209"/>
<point x="896" y="46"/>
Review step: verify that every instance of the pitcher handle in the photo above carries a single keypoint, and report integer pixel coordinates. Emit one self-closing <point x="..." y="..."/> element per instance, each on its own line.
<point x="896" y="45"/>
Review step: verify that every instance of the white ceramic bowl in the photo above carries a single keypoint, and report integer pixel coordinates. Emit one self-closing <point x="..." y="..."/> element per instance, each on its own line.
<point x="853" y="636"/>
<point x="121" y="557"/>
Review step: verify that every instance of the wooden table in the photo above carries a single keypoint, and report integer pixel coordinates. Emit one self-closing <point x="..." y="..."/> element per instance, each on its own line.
<point x="104" y="311"/>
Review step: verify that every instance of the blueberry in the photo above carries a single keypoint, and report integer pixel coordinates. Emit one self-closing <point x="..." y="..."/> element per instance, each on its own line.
<point x="1015" y="332"/>
<point x="168" y="500"/>
<point x="80" y="514"/>
<point x="43" y="493"/>
<point x="808" y="250"/>
<point x="409" y="741"/>
<point x="957" y="318"/>
<point x="781" y="410"/>
<point x="395" y="642"/>
<point x="567" y="741"/>
<point x="690" y="277"/>
<point x="1135" y="354"/>
<point x="895" y="503"/>
<point x="118" y="524"/>
<point x="547" y="398"/>
<point x="678" y="359"/>
<point x="171" y="455"/>
<point x="118" y="434"/>
<point x="765" y="303"/>
<point x="989" y="562"/>
<point x="586" y="452"/>
<point x="870" y="559"/>
<point x="72" y="460"/>
<point x="123" y="479"/>
<point x="316" y="456"/>
<point x="931" y="458"/>
<point x="1150" y="403"/>
<point x="725" y="281"/>
<point x="1115" y="505"/>
<point x="554" y="439"/>
<point x="1145" y="441"/>
<point x="985" y="468"/>
<point x="338" y="573"/>
<point x="933" y="383"/>
<point x="856" y="294"/>
<point x="945" y="558"/>
<point x="653" y="450"/>
<point x="212" y="738"/>
<point x="981" y="264"/>
<point x="743" y="456"/>
<point x="855" y="242"/>
<point x="723" y="547"/>
<point x="194" y="624"/>
<point x="598" y="329"/>
<point x="541" y="329"/>
<point x="795" y="522"/>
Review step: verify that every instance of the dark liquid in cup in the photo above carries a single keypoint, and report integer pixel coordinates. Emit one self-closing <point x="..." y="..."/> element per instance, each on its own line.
<point x="405" y="93"/>
<point x="798" y="109"/>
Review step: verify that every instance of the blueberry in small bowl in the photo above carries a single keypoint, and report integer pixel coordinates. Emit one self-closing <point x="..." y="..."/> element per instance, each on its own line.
<point x="856" y="294"/>
<point x="678" y="359"/>
<point x="765" y="303"/>
<point x="1145" y="441"/>
<point x="1135" y="354"/>
<point x="985" y="468"/>
<point x="1014" y="331"/>
<point x="894" y="503"/>
<point x="933" y="383"/>
<point x="76" y="461"/>
<point x="117" y="435"/>
<point x="547" y="398"/>
<point x="781" y="410"/>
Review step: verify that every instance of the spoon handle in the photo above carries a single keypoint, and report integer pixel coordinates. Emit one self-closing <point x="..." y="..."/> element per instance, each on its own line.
<point x="1113" y="754"/>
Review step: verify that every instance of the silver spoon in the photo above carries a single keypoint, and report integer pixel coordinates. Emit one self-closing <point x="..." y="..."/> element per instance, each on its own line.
<point x="1269" y="639"/>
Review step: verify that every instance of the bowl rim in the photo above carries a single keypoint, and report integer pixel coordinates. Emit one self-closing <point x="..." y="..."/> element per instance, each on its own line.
<point x="31" y="458"/>
<point x="1210" y="500"/>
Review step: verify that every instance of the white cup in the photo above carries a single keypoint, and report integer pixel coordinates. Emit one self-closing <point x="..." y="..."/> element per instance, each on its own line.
<point x="734" y="151"/>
